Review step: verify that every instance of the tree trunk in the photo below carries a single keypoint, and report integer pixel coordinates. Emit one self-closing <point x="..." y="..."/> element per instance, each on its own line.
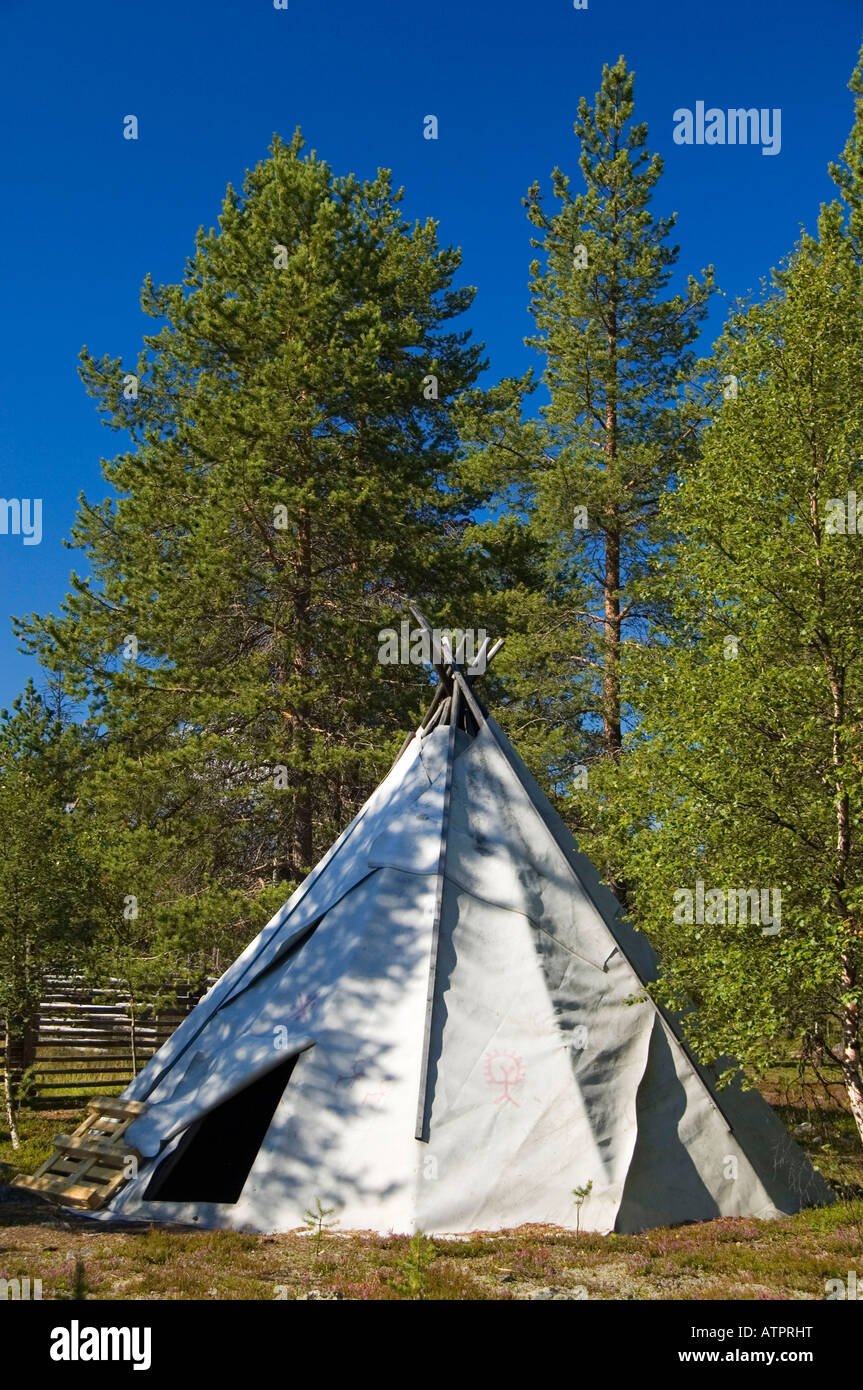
<point x="611" y="579"/>
<point x="611" y="703"/>
<point x="294" y="855"/>
<point x="852" y="1073"/>
<point x="133" y="1033"/>
<point x="18" y="1053"/>
<point x="10" y="1108"/>
<point x="303" y="820"/>
<point x="611" y="722"/>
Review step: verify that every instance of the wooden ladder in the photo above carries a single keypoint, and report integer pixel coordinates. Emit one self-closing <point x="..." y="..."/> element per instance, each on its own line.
<point x="90" y="1165"/>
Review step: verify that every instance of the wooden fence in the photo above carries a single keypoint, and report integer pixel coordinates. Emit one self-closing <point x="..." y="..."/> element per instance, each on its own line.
<point x="88" y="1041"/>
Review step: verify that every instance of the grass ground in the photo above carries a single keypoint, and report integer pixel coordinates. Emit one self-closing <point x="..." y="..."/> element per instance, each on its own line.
<point x="78" y="1084"/>
<point x="724" y="1259"/>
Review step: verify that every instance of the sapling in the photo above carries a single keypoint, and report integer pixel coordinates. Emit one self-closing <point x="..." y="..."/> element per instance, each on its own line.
<point x="318" y="1222"/>
<point x="420" y="1254"/>
<point x="581" y="1195"/>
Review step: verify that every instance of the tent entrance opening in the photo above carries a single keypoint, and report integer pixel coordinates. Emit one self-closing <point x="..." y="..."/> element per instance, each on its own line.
<point x="212" y="1163"/>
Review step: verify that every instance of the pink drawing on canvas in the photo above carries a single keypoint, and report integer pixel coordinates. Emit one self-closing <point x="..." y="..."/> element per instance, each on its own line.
<point x="506" y="1070"/>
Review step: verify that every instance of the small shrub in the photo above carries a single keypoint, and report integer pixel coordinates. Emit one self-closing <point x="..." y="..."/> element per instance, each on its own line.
<point x="414" y="1266"/>
<point x="318" y="1223"/>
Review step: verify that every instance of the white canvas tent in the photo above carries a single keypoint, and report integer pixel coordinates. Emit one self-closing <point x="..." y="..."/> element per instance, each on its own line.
<point x="435" y="1032"/>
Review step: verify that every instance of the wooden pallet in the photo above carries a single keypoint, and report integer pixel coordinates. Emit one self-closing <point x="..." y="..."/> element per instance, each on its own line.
<point x="89" y="1166"/>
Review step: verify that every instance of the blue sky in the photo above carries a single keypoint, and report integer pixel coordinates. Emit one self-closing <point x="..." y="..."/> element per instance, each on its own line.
<point x="89" y="213"/>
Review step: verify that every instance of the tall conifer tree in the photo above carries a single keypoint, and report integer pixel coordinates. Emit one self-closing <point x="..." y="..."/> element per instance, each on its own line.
<point x="285" y="486"/>
<point x="589" y="474"/>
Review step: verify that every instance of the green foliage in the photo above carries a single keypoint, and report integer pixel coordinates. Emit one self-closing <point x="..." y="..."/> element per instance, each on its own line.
<point x="414" y="1267"/>
<point x="284" y="488"/>
<point x="750" y="752"/>
<point x="581" y="1195"/>
<point x="318" y="1222"/>
<point x="615" y="428"/>
<point x="49" y="871"/>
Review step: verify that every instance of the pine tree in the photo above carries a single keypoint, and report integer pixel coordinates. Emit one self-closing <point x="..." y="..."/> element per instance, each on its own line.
<point x="286" y="486"/>
<point x="590" y="473"/>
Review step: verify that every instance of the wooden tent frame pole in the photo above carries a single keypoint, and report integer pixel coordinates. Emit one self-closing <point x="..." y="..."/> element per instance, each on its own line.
<point x="422" y="1122"/>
